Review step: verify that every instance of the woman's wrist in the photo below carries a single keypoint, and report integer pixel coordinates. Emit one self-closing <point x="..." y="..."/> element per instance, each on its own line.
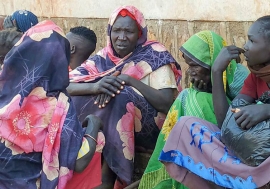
<point x="91" y="137"/>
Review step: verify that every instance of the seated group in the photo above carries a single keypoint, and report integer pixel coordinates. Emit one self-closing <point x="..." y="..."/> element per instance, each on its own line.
<point x="55" y="99"/>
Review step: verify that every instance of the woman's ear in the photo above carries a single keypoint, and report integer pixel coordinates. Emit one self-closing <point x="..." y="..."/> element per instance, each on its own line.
<point x="72" y="49"/>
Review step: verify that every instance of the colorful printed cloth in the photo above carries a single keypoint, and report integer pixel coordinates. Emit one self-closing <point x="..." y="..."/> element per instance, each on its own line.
<point x="128" y="117"/>
<point x="203" y="49"/>
<point x="40" y="133"/>
<point x="194" y="146"/>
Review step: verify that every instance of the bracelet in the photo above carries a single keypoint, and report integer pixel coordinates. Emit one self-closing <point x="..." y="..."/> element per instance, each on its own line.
<point x="87" y="135"/>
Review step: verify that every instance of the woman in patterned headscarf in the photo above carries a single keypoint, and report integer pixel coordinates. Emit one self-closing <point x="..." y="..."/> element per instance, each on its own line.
<point x="199" y="52"/>
<point x="132" y="104"/>
<point x="21" y="19"/>
<point x="40" y="133"/>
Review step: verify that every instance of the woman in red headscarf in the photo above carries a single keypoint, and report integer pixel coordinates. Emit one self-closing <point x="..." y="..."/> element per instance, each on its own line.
<point x="130" y="84"/>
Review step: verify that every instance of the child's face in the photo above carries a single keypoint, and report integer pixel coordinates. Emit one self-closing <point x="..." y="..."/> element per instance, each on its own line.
<point x="257" y="47"/>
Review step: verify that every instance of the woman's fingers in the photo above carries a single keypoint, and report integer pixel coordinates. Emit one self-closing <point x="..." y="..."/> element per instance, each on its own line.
<point x="240" y="50"/>
<point x="205" y="87"/>
<point x="107" y="99"/>
<point x="235" y="48"/>
<point x="97" y="99"/>
<point x="239" y="118"/>
<point x="101" y="101"/>
<point x="196" y="83"/>
<point x="200" y="85"/>
<point x="112" y="84"/>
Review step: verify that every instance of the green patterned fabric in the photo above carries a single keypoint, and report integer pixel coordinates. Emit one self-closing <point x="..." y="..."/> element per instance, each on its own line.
<point x="203" y="49"/>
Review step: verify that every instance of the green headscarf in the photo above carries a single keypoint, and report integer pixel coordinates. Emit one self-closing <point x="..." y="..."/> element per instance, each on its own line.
<point x="203" y="48"/>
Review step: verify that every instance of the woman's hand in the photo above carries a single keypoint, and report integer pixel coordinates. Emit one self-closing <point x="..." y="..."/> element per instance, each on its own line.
<point x="199" y="85"/>
<point x="104" y="98"/>
<point x="93" y="124"/>
<point x="251" y="115"/>
<point x="225" y="56"/>
<point x="109" y="85"/>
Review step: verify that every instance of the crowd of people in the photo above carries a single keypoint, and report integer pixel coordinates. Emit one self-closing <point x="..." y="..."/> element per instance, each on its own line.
<point x="71" y="119"/>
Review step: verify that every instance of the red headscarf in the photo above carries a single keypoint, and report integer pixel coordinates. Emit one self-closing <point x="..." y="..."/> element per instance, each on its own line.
<point x="124" y="13"/>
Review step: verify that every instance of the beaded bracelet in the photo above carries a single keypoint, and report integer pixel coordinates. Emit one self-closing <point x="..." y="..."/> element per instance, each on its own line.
<point x="87" y="135"/>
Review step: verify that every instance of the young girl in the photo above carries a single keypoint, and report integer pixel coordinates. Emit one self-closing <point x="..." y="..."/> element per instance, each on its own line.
<point x="194" y="153"/>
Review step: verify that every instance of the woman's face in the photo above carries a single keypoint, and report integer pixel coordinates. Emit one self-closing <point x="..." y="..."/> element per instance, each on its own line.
<point x="197" y="72"/>
<point x="124" y="35"/>
<point x="257" y="47"/>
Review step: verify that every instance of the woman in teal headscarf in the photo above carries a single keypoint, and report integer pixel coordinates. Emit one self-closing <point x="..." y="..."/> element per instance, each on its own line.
<point x="199" y="52"/>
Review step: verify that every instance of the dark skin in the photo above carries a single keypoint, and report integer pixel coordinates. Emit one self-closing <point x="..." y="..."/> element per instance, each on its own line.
<point x="93" y="125"/>
<point x="257" y="53"/>
<point x="124" y="36"/>
<point x="80" y="49"/>
<point x="200" y="77"/>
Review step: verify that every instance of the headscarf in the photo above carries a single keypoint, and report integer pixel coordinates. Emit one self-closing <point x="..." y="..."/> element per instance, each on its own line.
<point x="263" y="73"/>
<point x="134" y="13"/>
<point x="24" y="19"/>
<point x="124" y="13"/>
<point x="146" y="58"/>
<point x="35" y="108"/>
<point x="203" y="48"/>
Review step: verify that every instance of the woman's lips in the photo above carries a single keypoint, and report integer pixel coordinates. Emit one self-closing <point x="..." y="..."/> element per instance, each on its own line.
<point x="121" y="46"/>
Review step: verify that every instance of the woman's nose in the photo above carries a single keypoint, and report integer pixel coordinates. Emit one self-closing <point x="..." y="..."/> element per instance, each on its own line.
<point x="122" y="36"/>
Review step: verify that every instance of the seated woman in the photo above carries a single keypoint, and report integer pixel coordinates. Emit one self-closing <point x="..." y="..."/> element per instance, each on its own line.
<point x="132" y="105"/>
<point x="194" y="151"/>
<point x="41" y="135"/>
<point x="22" y="20"/>
<point x="199" y="52"/>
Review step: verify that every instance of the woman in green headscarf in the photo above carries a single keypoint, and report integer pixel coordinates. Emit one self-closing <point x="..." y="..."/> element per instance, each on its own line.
<point x="199" y="52"/>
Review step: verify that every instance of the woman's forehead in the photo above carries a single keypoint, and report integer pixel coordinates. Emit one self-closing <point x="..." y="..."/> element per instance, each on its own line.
<point x="255" y="29"/>
<point x="126" y="22"/>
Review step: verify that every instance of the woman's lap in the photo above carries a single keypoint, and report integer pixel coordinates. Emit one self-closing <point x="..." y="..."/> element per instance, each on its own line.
<point x="194" y="144"/>
<point x="126" y="118"/>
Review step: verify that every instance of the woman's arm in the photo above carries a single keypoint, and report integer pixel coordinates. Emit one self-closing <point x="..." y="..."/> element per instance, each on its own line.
<point x="220" y="102"/>
<point x="79" y="89"/>
<point x="93" y="125"/>
<point x="161" y="99"/>
<point x="109" y="85"/>
<point x="221" y="105"/>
